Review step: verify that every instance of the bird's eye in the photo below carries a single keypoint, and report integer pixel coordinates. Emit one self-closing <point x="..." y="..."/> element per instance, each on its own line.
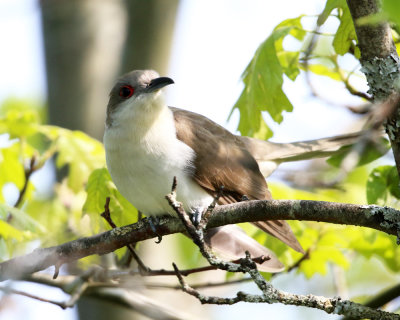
<point x="126" y="92"/>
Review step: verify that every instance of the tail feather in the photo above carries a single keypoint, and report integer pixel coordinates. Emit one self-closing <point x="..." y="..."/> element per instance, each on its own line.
<point x="230" y="242"/>
<point x="280" y="229"/>
<point x="270" y="154"/>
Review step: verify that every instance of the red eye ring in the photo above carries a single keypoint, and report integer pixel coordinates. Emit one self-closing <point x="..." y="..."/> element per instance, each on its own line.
<point x="126" y="92"/>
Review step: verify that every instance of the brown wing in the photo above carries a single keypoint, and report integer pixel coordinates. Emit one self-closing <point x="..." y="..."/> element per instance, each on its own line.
<point x="229" y="165"/>
<point x="221" y="159"/>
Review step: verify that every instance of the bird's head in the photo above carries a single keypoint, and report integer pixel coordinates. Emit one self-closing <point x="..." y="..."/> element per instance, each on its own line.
<point x="135" y="92"/>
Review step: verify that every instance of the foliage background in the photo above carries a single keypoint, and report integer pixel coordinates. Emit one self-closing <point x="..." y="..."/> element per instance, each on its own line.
<point x="354" y="256"/>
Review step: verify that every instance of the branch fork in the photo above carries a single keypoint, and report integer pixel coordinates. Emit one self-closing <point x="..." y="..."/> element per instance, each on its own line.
<point x="269" y="293"/>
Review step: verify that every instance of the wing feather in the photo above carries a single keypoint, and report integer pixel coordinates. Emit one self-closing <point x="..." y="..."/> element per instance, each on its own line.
<point x="223" y="160"/>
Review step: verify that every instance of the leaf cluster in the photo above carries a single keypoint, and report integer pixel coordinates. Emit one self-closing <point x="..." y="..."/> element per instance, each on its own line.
<point x="52" y="214"/>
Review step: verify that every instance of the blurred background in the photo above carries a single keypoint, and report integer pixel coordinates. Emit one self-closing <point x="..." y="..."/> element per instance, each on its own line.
<point x="65" y="55"/>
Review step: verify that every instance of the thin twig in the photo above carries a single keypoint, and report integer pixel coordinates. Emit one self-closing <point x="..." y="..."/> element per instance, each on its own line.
<point x="227" y="283"/>
<point x="32" y="296"/>
<point x="107" y="216"/>
<point x="346" y="81"/>
<point x="211" y="207"/>
<point x="28" y="172"/>
<point x="197" y="234"/>
<point x="145" y="270"/>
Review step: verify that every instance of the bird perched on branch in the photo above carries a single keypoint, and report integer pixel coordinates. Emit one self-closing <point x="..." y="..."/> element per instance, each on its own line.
<point x="148" y="144"/>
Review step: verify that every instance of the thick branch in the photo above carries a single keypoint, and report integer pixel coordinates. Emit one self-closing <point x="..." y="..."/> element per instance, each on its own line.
<point x="380" y="218"/>
<point x="373" y="40"/>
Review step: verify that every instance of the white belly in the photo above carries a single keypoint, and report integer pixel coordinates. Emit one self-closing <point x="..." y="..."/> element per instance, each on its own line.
<point x="143" y="169"/>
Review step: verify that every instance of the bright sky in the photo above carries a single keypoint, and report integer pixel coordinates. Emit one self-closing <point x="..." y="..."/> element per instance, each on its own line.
<point x="214" y="41"/>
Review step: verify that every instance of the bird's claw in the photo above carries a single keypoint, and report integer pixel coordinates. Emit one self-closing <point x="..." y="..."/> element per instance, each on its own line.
<point x="196" y="215"/>
<point x="153" y="221"/>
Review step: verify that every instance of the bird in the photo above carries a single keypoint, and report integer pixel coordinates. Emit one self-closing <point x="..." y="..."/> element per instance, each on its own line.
<point x="148" y="143"/>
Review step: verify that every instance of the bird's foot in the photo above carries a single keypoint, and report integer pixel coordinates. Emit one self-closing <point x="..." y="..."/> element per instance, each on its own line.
<point x="196" y="215"/>
<point x="153" y="222"/>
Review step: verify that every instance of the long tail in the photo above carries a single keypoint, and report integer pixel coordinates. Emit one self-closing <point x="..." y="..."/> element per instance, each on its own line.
<point x="270" y="154"/>
<point x="231" y="242"/>
<point x="280" y="229"/>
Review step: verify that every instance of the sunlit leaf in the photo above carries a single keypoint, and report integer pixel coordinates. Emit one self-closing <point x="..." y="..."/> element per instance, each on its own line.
<point x="81" y="153"/>
<point x="289" y="61"/>
<point x="20" y="219"/>
<point x="99" y="187"/>
<point x="382" y="182"/>
<point x="24" y="106"/>
<point x="323" y="70"/>
<point x="7" y="231"/>
<point x="329" y="7"/>
<point x="263" y="79"/>
<point x="11" y="168"/>
<point x="19" y="124"/>
<point x="393" y="182"/>
<point x="345" y="34"/>
<point x="392" y="9"/>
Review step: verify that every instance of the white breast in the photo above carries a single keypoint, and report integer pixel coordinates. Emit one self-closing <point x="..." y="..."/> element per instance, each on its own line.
<point x="143" y="155"/>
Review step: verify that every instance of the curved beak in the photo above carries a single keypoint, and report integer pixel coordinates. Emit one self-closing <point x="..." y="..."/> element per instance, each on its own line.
<point x="158" y="83"/>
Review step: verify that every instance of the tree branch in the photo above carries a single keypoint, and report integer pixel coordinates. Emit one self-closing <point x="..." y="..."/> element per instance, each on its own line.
<point x="380" y="218"/>
<point x="28" y="172"/>
<point x="380" y="63"/>
<point x="7" y="290"/>
<point x="271" y="295"/>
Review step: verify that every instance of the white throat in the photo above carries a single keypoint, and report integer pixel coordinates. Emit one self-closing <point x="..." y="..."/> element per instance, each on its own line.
<point x="143" y="155"/>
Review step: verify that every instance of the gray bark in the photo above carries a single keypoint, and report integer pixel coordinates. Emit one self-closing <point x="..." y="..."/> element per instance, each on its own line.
<point x="83" y="41"/>
<point x="150" y="33"/>
<point x="380" y="218"/>
<point x="380" y="64"/>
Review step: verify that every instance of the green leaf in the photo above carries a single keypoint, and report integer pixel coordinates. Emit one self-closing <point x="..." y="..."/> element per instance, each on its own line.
<point x="56" y="217"/>
<point x="345" y="34"/>
<point x="39" y="142"/>
<point x="329" y="7"/>
<point x="393" y="182"/>
<point x="376" y="185"/>
<point x="11" y="168"/>
<point x="324" y="70"/>
<point x="21" y="219"/>
<point x="289" y="61"/>
<point x="296" y="30"/>
<point x="7" y="231"/>
<point x="382" y="182"/>
<point x="99" y="187"/>
<point x="371" y="243"/>
<point x="81" y="153"/>
<point x="24" y="106"/>
<point x="392" y="9"/>
<point x="319" y="259"/>
<point x="327" y="248"/>
<point x="19" y="124"/>
<point x="263" y="79"/>
<point x="371" y="152"/>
